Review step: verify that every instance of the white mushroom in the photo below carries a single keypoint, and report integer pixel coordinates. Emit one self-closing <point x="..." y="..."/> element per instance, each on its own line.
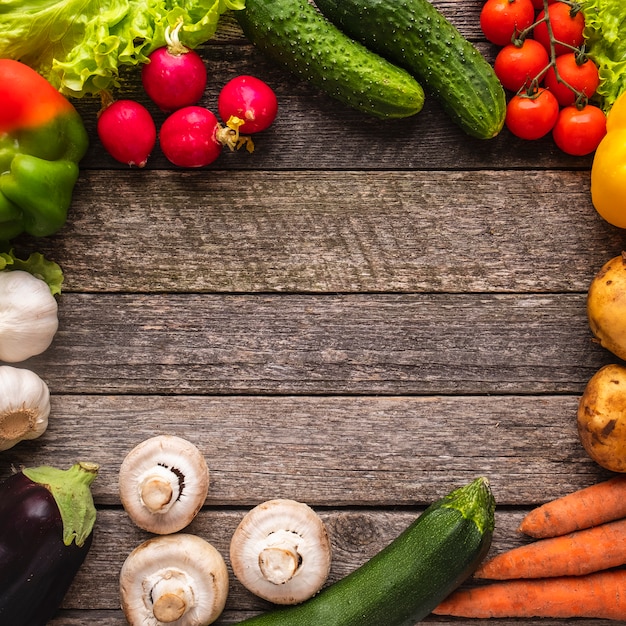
<point x="178" y="579"/>
<point x="281" y="551"/>
<point x="163" y="483"/>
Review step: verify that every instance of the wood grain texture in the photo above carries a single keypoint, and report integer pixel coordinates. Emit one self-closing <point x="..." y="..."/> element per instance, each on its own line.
<point x="333" y="231"/>
<point x="330" y="451"/>
<point x="355" y="536"/>
<point x="314" y="131"/>
<point x="361" y="315"/>
<point x="335" y="344"/>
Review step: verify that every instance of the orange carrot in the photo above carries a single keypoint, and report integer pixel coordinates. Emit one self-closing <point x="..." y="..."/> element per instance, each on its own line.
<point x="591" y="506"/>
<point x="582" y="552"/>
<point x="601" y="595"/>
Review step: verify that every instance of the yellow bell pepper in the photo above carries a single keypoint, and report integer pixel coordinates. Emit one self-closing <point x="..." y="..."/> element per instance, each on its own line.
<point x="608" y="171"/>
<point x="617" y="114"/>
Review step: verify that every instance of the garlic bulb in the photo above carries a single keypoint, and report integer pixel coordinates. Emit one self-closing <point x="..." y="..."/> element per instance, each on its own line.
<point x="24" y="406"/>
<point x="28" y="316"/>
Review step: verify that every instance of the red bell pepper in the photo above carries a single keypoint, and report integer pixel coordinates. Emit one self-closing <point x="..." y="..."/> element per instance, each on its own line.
<point x="42" y="140"/>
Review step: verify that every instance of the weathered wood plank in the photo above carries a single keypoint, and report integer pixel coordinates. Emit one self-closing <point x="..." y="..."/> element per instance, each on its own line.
<point x="459" y="346"/>
<point x="344" y="344"/>
<point x="329" y="451"/>
<point x="115" y="618"/>
<point x="464" y="16"/>
<point x="332" y="231"/>
<point x="314" y="131"/>
<point x="356" y="535"/>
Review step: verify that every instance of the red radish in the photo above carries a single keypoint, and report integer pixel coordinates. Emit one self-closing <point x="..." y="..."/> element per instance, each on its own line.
<point x="249" y="99"/>
<point x="189" y="137"/>
<point x="127" y="131"/>
<point x="175" y="76"/>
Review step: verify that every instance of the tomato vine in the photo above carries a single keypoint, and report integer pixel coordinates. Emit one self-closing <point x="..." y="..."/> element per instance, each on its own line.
<point x="544" y="65"/>
<point x="555" y="44"/>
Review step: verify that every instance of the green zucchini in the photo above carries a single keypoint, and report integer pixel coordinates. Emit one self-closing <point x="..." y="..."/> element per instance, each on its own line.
<point x="416" y="36"/>
<point x="406" y="580"/>
<point x="294" y="34"/>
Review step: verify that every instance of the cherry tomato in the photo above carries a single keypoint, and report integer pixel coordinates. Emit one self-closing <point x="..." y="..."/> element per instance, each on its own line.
<point x="580" y="73"/>
<point x="532" y="116"/>
<point x="538" y="4"/>
<point x="500" y="20"/>
<point x="579" y="131"/>
<point x="567" y="27"/>
<point x="517" y="65"/>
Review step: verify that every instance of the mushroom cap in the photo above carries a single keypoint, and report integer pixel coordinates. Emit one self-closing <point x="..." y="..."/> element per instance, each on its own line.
<point x="177" y="579"/>
<point x="163" y="483"/>
<point x="281" y="551"/>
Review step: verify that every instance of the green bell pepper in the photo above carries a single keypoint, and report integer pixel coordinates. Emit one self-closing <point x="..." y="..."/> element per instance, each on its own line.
<point x="42" y="140"/>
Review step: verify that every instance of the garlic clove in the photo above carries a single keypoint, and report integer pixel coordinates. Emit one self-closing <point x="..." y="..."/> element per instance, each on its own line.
<point x="24" y="406"/>
<point x="28" y="316"/>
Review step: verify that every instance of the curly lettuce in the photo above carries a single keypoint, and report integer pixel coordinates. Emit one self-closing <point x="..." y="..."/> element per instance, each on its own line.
<point x="37" y="265"/>
<point x="80" y="45"/>
<point x="605" y="34"/>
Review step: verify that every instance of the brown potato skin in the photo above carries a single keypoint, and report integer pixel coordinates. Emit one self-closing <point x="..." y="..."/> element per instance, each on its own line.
<point x="606" y="306"/>
<point x="602" y="417"/>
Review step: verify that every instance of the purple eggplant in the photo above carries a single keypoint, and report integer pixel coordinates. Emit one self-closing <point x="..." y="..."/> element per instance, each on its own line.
<point x="46" y="529"/>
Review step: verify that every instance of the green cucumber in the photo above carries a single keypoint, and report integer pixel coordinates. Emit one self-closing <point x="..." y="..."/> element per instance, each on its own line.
<point x="404" y="582"/>
<point x="416" y="36"/>
<point x="294" y="34"/>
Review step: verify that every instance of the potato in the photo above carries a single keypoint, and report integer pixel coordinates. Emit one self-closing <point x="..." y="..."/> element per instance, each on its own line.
<point x="606" y="306"/>
<point x="602" y="418"/>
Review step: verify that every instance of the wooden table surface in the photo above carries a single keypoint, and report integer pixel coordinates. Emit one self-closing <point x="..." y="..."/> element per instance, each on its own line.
<point x="362" y="315"/>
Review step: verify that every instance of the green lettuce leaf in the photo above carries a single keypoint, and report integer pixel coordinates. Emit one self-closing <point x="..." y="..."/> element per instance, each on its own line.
<point x="605" y="34"/>
<point x="80" y="45"/>
<point x="37" y="265"/>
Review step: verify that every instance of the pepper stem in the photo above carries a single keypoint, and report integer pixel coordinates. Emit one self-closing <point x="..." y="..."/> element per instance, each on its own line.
<point x="72" y="494"/>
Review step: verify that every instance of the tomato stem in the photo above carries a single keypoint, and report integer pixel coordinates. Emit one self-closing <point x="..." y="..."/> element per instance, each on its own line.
<point x="531" y="89"/>
<point x="575" y="7"/>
